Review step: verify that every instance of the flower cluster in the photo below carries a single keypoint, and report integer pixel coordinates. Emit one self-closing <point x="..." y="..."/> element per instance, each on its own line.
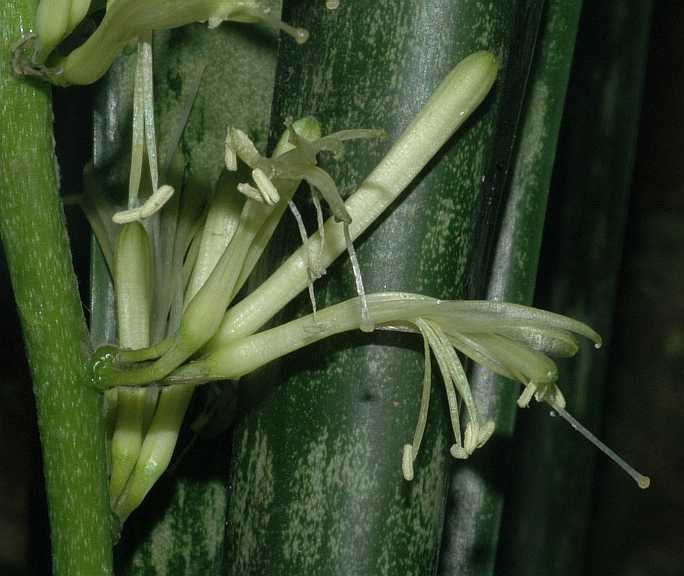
<point x="178" y="326"/>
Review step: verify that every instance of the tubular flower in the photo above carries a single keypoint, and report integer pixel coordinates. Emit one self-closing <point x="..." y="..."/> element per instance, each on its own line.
<point x="124" y="21"/>
<point x="512" y="340"/>
<point x="297" y="163"/>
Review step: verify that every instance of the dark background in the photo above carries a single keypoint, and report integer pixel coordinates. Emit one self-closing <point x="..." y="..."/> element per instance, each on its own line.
<point x="636" y="532"/>
<point x="632" y="532"/>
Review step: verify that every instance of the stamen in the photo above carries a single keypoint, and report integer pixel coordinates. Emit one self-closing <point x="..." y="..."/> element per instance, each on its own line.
<point x="305" y="242"/>
<point x="151" y="206"/>
<point x="407" y="462"/>
<point x="550" y="394"/>
<point x="269" y="193"/>
<point x="137" y="133"/>
<point x="486" y="431"/>
<point x="458" y="452"/>
<point x="156" y="202"/>
<point x="413" y="449"/>
<point x="250" y="191"/>
<point x="243" y="147"/>
<point x="230" y="157"/>
<point x="427" y="329"/>
<point x="319" y="270"/>
<point x="145" y="53"/>
<point x="470" y="436"/>
<point x="527" y="394"/>
<point x="642" y="481"/>
<point x="460" y="381"/>
<point x="366" y="324"/>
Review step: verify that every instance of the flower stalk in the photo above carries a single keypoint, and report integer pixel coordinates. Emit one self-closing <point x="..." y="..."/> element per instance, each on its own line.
<point x="34" y="238"/>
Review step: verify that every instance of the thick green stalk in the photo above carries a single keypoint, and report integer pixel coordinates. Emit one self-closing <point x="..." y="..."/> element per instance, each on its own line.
<point x="37" y="250"/>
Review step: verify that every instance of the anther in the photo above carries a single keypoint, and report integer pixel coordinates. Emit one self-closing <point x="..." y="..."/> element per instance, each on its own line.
<point x="230" y="157"/>
<point x="407" y="462"/>
<point x="151" y="206"/>
<point x="414" y="448"/>
<point x="317" y="269"/>
<point x="470" y="437"/>
<point x="269" y="193"/>
<point x="250" y="191"/>
<point x="486" y="432"/>
<point x="305" y="242"/>
<point x="243" y="147"/>
<point x="366" y="324"/>
<point x="458" y="452"/>
<point x="527" y="394"/>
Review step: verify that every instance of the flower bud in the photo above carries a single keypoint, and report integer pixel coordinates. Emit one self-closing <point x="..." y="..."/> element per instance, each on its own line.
<point x="79" y="10"/>
<point x="52" y="24"/>
<point x="133" y="282"/>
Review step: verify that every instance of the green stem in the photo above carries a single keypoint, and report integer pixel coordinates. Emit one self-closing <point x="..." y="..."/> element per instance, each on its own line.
<point x="37" y="251"/>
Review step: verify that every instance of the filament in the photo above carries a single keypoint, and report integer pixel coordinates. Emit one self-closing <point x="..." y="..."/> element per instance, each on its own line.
<point x="151" y="206"/>
<point x="138" y="134"/>
<point x="305" y="242"/>
<point x="319" y="270"/>
<point x="457" y="450"/>
<point x="411" y="450"/>
<point x="145" y="53"/>
<point x="366" y="324"/>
